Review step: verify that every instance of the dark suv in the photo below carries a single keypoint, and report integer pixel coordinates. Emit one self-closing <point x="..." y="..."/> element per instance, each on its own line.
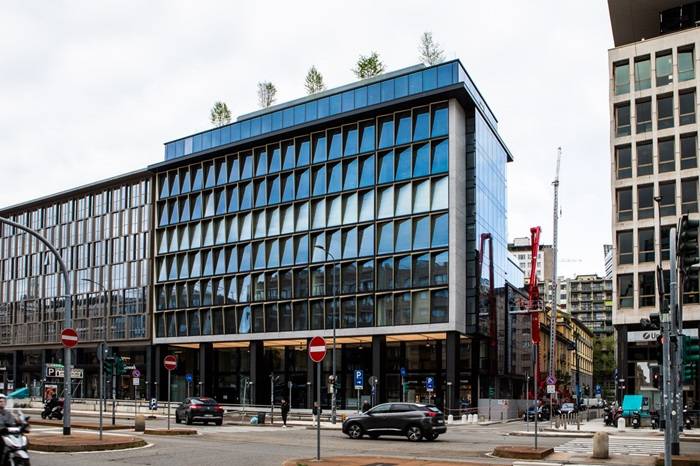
<point x="415" y="421"/>
<point x="199" y="409"/>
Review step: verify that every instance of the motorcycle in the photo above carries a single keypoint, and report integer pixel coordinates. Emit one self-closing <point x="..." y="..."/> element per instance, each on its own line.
<point x="654" y="420"/>
<point x="15" y="443"/>
<point x="687" y="420"/>
<point x="610" y="418"/>
<point x="636" y="420"/>
<point x="55" y="412"/>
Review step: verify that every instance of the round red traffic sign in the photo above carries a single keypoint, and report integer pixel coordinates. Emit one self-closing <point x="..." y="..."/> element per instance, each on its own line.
<point x="69" y="337"/>
<point x="170" y="362"/>
<point x="317" y="349"/>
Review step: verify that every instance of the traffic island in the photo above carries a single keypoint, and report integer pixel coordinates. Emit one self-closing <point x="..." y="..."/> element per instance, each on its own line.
<point x="680" y="460"/>
<point x="522" y="453"/>
<point x="373" y="461"/>
<point x="56" y="443"/>
<point x="170" y="432"/>
<point x="81" y="425"/>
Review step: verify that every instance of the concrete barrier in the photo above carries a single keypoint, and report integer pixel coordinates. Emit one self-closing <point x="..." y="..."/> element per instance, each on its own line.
<point x="621" y="424"/>
<point x="601" y="445"/>
<point x="140" y="423"/>
<point x="450" y="419"/>
<point x="464" y="418"/>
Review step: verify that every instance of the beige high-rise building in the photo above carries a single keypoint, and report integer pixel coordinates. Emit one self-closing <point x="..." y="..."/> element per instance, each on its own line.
<point x="654" y="168"/>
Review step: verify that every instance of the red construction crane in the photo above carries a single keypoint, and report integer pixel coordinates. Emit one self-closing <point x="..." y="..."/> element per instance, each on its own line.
<point x="534" y="300"/>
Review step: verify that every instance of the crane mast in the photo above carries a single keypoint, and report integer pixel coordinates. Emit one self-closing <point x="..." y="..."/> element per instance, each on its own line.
<point x="553" y="311"/>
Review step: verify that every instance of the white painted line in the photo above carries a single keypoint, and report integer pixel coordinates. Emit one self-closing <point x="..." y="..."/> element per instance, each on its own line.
<point x="317" y="349"/>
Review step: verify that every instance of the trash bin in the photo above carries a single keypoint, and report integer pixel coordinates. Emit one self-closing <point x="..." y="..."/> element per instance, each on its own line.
<point x="261" y="417"/>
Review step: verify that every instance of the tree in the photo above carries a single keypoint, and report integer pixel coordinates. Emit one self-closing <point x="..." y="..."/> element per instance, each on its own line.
<point x="604" y="363"/>
<point x="266" y="94"/>
<point x="220" y="115"/>
<point x="314" y="81"/>
<point x="430" y="51"/>
<point x="369" y="66"/>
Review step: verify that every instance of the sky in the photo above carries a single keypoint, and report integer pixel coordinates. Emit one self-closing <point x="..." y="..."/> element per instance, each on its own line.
<point x="89" y="90"/>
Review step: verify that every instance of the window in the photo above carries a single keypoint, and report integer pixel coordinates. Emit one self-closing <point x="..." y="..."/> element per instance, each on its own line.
<point x="385" y="273"/>
<point x="686" y="63"/>
<point x="643" y="115"/>
<point x="645" y="158"/>
<point x="647" y="292"/>
<point x="385" y="310"/>
<point x="439" y="306"/>
<point x="642" y="73"/>
<point x="623" y="159"/>
<point x="667" y="191"/>
<point x="622" y="120"/>
<point x="689" y="195"/>
<point x="665" y="245"/>
<point x="421" y="308"/>
<point x="622" y="78"/>
<point x="664" y="111"/>
<point x="646" y="244"/>
<point x="686" y="112"/>
<point x="664" y="68"/>
<point x="421" y="273"/>
<point x="689" y="151"/>
<point x="667" y="162"/>
<point x="402" y="308"/>
<point x="439" y="272"/>
<point x="645" y="201"/>
<point x="625" y="248"/>
<point x="625" y="290"/>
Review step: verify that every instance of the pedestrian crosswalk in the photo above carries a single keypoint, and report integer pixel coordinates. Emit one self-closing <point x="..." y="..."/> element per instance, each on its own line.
<point x="617" y="445"/>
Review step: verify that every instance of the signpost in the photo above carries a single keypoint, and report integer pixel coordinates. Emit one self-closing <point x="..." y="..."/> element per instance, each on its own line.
<point x="373" y="381"/>
<point x="402" y="371"/>
<point x="429" y="387"/>
<point x="69" y="339"/>
<point x="170" y="364"/>
<point x="317" y="351"/>
<point x="188" y="379"/>
<point x="551" y="381"/>
<point x="359" y="385"/>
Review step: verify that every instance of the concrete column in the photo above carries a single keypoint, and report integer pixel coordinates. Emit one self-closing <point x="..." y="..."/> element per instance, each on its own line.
<point x="621" y="357"/>
<point x="475" y="360"/>
<point x="452" y="369"/>
<point x="379" y="366"/>
<point x="257" y="373"/>
<point x="206" y="358"/>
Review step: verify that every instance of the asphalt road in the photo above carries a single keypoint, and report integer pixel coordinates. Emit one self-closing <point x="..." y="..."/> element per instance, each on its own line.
<point x="244" y="445"/>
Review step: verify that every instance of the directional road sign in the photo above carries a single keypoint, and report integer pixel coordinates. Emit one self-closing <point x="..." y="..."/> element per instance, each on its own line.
<point x="429" y="384"/>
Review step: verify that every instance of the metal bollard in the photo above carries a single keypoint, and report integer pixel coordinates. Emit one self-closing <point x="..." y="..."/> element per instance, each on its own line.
<point x="600" y="445"/>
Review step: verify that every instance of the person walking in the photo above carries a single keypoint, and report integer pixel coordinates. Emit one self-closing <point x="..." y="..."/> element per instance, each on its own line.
<point x="284" y="408"/>
<point x="365" y="406"/>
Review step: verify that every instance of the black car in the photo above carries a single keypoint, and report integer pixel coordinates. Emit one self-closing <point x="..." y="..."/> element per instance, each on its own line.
<point x="415" y="421"/>
<point x="542" y="413"/>
<point x="199" y="409"/>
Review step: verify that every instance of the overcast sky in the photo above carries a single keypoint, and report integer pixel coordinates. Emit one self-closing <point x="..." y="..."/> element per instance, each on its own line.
<point x="91" y="89"/>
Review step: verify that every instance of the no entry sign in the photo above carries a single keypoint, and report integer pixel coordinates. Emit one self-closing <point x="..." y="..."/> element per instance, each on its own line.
<point x="317" y="349"/>
<point x="69" y="337"/>
<point x="170" y="362"/>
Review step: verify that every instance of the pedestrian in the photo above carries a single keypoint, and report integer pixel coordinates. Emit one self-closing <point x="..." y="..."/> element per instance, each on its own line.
<point x="316" y="411"/>
<point x="365" y="406"/>
<point x="284" y="408"/>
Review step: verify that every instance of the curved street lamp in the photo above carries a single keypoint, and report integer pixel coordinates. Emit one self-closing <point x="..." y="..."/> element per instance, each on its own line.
<point x="335" y="293"/>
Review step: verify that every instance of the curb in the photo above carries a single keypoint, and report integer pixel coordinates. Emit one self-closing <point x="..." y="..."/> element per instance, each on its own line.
<point x="522" y="453"/>
<point x="48" y="448"/>
<point x="552" y="434"/>
<point x="78" y="425"/>
<point x="170" y="432"/>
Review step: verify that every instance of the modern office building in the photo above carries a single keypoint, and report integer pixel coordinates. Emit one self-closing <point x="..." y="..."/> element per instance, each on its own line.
<point x="384" y="200"/>
<point x="653" y="145"/>
<point x="608" y="255"/>
<point x="590" y="301"/>
<point x="103" y="233"/>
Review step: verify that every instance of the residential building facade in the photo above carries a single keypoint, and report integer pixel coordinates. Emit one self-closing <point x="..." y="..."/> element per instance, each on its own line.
<point x="590" y="301"/>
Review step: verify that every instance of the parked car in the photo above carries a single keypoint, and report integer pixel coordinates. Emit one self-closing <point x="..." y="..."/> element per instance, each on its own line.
<point x="567" y="408"/>
<point x="542" y="414"/>
<point x="199" y="409"/>
<point x="415" y="421"/>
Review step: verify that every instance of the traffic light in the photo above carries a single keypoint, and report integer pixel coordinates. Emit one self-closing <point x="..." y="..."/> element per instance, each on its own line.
<point x="109" y="365"/>
<point x="687" y="246"/>
<point x="691" y="356"/>
<point x="119" y="366"/>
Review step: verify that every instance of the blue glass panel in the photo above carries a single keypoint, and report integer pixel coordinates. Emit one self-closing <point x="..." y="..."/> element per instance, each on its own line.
<point x="401" y="86"/>
<point x="429" y="79"/>
<point x="277" y="120"/>
<point x="169" y="151"/>
<point x="350" y="175"/>
<point x="180" y="148"/>
<point x="403" y="130"/>
<point x="367" y="137"/>
<point x="367" y="241"/>
<point x="274" y="194"/>
<point x="302" y="182"/>
<point x="360" y="97"/>
<point x="374" y="94"/>
<point x="233" y="200"/>
<point x="287" y="117"/>
<point x="288" y="252"/>
<point x="403" y="164"/>
<point x="421" y="233"/>
<point x="245" y="258"/>
<point x="299" y="114"/>
<point x="247" y="166"/>
<point x="255" y="126"/>
<point x="348" y="101"/>
<point x="421" y="160"/>
<point x="440" y="157"/>
<point x="387" y="90"/>
<point x="259" y="256"/>
<point x="319" y="181"/>
<point x="335" y="104"/>
<point x="415" y="83"/>
<point x="335" y="150"/>
<point x="350" y="140"/>
<point x="445" y="73"/>
<point x="334" y="244"/>
<point x="235" y="132"/>
<point x="335" y="183"/>
<point x="261" y="195"/>
<point x="440" y="229"/>
<point x="311" y="110"/>
<point x="273" y="255"/>
<point x="245" y="129"/>
<point x="247" y="199"/>
<point x="303" y="152"/>
<point x="367" y="171"/>
<point x="225" y="135"/>
<point x="323" y="107"/>
<point x="197" y="207"/>
<point x="421" y="124"/>
<point x="386" y="167"/>
<point x="403" y="235"/>
<point x="216" y="138"/>
<point x="350" y="244"/>
<point x="288" y="188"/>
<point x="386" y="132"/>
<point x="197" y="143"/>
<point x="188" y="145"/>
<point x="302" y="252"/>
<point x="440" y="124"/>
<point x="275" y="159"/>
<point x="261" y="168"/>
<point x="266" y="123"/>
<point x="320" y="150"/>
<point x="385" y="233"/>
<point x="288" y="152"/>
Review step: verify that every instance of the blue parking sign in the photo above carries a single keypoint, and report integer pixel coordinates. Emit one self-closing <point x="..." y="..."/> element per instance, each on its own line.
<point x="188" y="378"/>
<point x="359" y="379"/>
<point x="403" y="372"/>
<point x="429" y="384"/>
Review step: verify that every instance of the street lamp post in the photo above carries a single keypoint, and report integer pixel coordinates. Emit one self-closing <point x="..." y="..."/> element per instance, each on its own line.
<point x="101" y="349"/>
<point x="335" y="295"/>
<point x="67" y="322"/>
